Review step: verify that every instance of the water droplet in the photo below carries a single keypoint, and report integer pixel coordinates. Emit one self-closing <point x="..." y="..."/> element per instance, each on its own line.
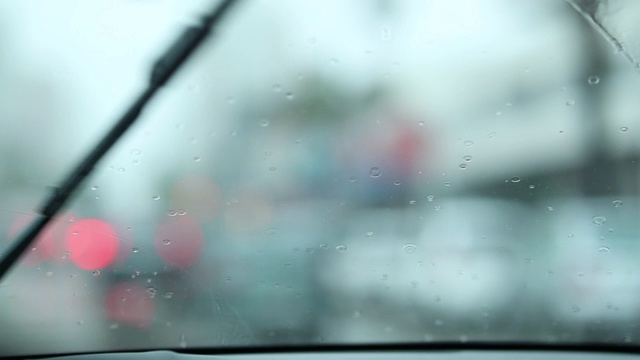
<point x="532" y="186"/>
<point x="271" y="231"/>
<point x="369" y="234"/>
<point x="352" y="179"/>
<point x="96" y="272"/>
<point x="603" y="250"/>
<point x="120" y="169"/>
<point x="231" y="100"/>
<point x="273" y="168"/>
<point x="437" y="207"/>
<point x="599" y="220"/>
<point x="341" y="248"/>
<point x="182" y="212"/>
<point x="385" y="34"/>
<point x="80" y="322"/>
<point x="94" y="187"/>
<point x="593" y="80"/>
<point x="166" y="241"/>
<point x="289" y="96"/>
<point x="156" y="197"/>
<point x="467" y="158"/>
<point x="276" y="87"/>
<point x="183" y="341"/>
<point x="421" y="123"/>
<point x="468" y="143"/>
<point x="412" y="202"/>
<point x="491" y="134"/>
<point x="570" y="102"/>
<point x="135" y="249"/>
<point x="447" y="183"/>
<point x="397" y="183"/>
<point x="324" y="246"/>
<point x="550" y="208"/>
<point x="136" y="152"/>
<point x="462" y="166"/>
<point x="152" y="291"/>
<point x="515" y="179"/>
<point x="374" y="172"/>
<point x="172" y="213"/>
<point x="409" y="248"/>
<point x="431" y="198"/>
<point x="617" y="203"/>
<point x="264" y="122"/>
<point x="168" y="295"/>
<point x="575" y="309"/>
<point x="624" y="129"/>
<point x="196" y="158"/>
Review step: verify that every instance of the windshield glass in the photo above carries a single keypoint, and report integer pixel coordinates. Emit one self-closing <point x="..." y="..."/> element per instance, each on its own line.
<point x="321" y="172"/>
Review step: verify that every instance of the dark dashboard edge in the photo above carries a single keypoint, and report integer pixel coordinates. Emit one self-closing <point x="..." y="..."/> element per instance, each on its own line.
<point x="393" y="347"/>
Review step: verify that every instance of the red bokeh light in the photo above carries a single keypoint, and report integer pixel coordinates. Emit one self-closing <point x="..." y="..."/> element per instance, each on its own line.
<point x="93" y="244"/>
<point x="129" y="304"/>
<point x="179" y="242"/>
<point x="48" y="245"/>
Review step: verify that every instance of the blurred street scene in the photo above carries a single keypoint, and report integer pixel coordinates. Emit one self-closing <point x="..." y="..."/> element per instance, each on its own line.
<point x="324" y="172"/>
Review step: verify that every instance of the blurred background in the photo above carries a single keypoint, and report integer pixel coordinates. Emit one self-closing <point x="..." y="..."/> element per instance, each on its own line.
<point x="324" y="172"/>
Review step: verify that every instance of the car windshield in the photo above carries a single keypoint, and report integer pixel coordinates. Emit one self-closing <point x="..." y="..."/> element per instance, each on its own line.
<point x="324" y="172"/>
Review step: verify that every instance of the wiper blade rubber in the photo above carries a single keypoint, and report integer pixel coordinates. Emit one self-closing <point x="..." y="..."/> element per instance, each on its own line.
<point x="163" y="69"/>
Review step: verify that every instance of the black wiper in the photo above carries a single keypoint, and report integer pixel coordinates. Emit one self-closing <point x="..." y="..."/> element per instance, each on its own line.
<point x="161" y="72"/>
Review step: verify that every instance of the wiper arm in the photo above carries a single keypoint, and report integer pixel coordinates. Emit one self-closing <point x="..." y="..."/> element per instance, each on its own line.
<point x="161" y="72"/>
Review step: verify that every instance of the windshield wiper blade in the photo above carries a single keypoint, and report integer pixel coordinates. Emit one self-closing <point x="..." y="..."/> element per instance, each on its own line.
<point x="161" y="72"/>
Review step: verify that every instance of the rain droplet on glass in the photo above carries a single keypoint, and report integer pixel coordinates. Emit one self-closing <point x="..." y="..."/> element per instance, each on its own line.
<point x="374" y="172"/>
<point x="409" y="248"/>
<point x="598" y="220"/>
<point x="593" y="80"/>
